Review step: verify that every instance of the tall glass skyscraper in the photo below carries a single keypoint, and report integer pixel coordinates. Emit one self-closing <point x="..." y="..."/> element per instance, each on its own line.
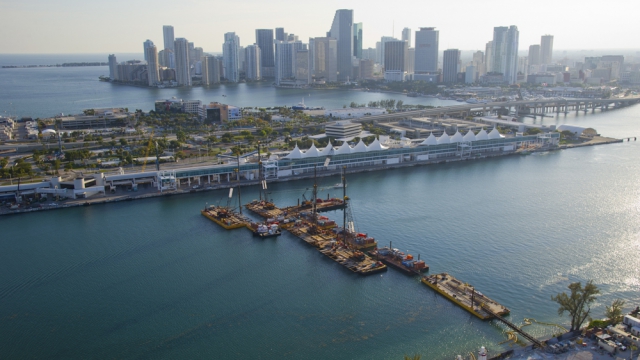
<point x="357" y="40"/>
<point x="231" y="57"/>
<point x="426" y="58"/>
<point x="183" y="73"/>
<point x="342" y="30"/>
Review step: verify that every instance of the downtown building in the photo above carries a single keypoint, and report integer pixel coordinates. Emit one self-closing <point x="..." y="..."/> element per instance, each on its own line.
<point x="183" y="68"/>
<point x="231" y="57"/>
<point x="264" y="40"/>
<point x="211" y="66"/>
<point x="396" y="60"/>
<point x="252" y="66"/>
<point x="169" y="46"/>
<point x="288" y="63"/>
<point x="450" y="66"/>
<point x="504" y="52"/>
<point x="546" y="49"/>
<point x="153" y="74"/>
<point x="342" y="31"/>
<point x="324" y="55"/>
<point x="426" y="53"/>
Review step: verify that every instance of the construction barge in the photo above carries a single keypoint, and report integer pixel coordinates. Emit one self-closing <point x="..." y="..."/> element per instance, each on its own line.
<point x="465" y="296"/>
<point x="399" y="260"/>
<point x="225" y="217"/>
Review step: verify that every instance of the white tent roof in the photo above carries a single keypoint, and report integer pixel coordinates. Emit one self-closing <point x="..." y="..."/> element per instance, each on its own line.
<point x="294" y="154"/>
<point x="431" y="140"/>
<point x="494" y="134"/>
<point x="343" y="149"/>
<point x="48" y="131"/>
<point x="444" y="139"/>
<point x="482" y="135"/>
<point x="327" y="150"/>
<point x="375" y="145"/>
<point x="457" y="137"/>
<point x="312" y="152"/>
<point x="360" y="147"/>
<point x="469" y="136"/>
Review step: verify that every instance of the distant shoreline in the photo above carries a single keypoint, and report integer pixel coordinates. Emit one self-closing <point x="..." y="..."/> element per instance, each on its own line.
<point x="73" y="64"/>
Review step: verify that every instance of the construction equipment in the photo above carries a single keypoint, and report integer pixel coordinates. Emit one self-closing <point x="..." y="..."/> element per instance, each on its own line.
<point x="146" y="154"/>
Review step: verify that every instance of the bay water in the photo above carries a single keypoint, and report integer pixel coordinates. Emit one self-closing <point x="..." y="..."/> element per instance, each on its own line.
<point x="155" y="279"/>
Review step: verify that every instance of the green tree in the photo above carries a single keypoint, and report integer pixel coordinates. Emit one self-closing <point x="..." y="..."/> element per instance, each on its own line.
<point x="614" y="312"/>
<point x="577" y="303"/>
<point x="123" y="142"/>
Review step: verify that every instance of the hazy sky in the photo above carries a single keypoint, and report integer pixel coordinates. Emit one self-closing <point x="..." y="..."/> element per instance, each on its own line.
<point x="117" y="26"/>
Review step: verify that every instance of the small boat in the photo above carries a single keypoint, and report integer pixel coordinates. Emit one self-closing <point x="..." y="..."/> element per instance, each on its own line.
<point x="266" y="231"/>
<point x="338" y="186"/>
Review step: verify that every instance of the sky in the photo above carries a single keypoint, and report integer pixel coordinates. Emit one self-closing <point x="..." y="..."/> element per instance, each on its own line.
<point x="121" y="26"/>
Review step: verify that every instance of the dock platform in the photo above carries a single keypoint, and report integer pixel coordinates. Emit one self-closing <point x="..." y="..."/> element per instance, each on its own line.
<point x="465" y="296"/>
<point x="225" y="217"/>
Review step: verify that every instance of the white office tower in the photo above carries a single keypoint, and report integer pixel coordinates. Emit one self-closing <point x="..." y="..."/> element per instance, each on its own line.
<point x="199" y="53"/>
<point x="210" y="70"/>
<point x="325" y="59"/>
<point x="183" y="72"/>
<point x="192" y="53"/>
<point x="169" y="40"/>
<point x="426" y="45"/>
<point x="546" y="49"/>
<point x="504" y="52"/>
<point x="146" y="45"/>
<point x="151" y="54"/>
<point x="342" y="30"/>
<point x="470" y="74"/>
<point x="231" y="57"/>
<point x="286" y="54"/>
<point x="488" y="56"/>
<point x="252" y="58"/>
<point x="534" y="55"/>
<point x="395" y="60"/>
<point x="406" y="35"/>
<point x="113" y="67"/>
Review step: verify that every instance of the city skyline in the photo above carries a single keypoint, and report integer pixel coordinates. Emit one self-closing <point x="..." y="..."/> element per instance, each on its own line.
<point x="464" y="31"/>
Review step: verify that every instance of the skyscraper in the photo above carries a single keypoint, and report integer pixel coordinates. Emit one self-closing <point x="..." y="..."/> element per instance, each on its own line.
<point x="252" y="62"/>
<point x="210" y="70"/>
<point x="264" y="40"/>
<point x="357" y="40"/>
<point x="395" y="55"/>
<point x="145" y="45"/>
<point x="167" y="32"/>
<point x="192" y="53"/>
<point x="183" y="73"/>
<point x="534" y="55"/>
<point x="546" y="49"/>
<point x="113" y="67"/>
<point x="286" y="53"/>
<point x="325" y="61"/>
<point x="504" y="52"/>
<point x="426" y="58"/>
<point x="280" y="34"/>
<point x="230" y="56"/>
<point x="383" y="41"/>
<point x="406" y="35"/>
<point x="342" y="30"/>
<point x="488" y="57"/>
<point x="199" y="53"/>
<point x="151" y="54"/>
<point x="450" y="62"/>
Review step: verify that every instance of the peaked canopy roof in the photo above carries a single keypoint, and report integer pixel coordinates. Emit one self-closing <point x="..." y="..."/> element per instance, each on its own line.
<point x="360" y="147"/>
<point x="469" y="136"/>
<point x="444" y="139"/>
<point x="431" y="140"/>
<point x="295" y="153"/>
<point x="457" y="137"/>
<point x="375" y="145"/>
<point x="312" y="152"/>
<point x="482" y="135"/>
<point x="494" y="134"/>
<point x="327" y="150"/>
<point x="343" y="149"/>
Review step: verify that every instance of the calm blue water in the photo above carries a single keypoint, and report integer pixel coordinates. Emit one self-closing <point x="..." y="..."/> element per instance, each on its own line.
<point x="155" y="279"/>
<point x="45" y="92"/>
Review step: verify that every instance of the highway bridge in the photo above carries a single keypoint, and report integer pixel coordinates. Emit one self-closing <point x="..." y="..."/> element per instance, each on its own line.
<point x="520" y="107"/>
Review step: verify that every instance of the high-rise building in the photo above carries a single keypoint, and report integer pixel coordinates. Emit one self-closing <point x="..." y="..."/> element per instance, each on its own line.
<point x="302" y="73"/>
<point x="546" y="49"/>
<point x="488" y="57"/>
<point x="210" y="70"/>
<point x="325" y="59"/>
<point x="534" y="55"/>
<point x="406" y="35"/>
<point x="192" y="53"/>
<point x="280" y="34"/>
<point x="396" y="55"/>
<point x="342" y="30"/>
<point x="231" y="57"/>
<point x="113" y="67"/>
<point x="151" y="54"/>
<point x="199" y="52"/>
<point x="379" y="55"/>
<point x="264" y="40"/>
<point x="470" y="74"/>
<point x="478" y="62"/>
<point x="286" y="53"/>
<point x="366" y="69"/>
<point x="426" y="45"/>
<point x="411" y="60"/>
<point x="183" y="69"/>
<point x="161" y="58"/>
<point x="145" y="45"/>
<point x="252" y="62"/>
<point x="383" y="41"/>
<point x="167" y="32"/>
<point x="450" y="62"/>
<point x="504" y="52"/>
<point x="357" y="40"/>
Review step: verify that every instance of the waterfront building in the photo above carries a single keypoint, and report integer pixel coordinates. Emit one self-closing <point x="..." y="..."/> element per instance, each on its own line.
<point x="534" y="55"/>
<point x="113" y="67"/>
<point x="169" y="40"/>
<point x="411" y="59"/>
<point x="365" y="69"/>
<point x="264" y="40"/>
<point x="231" y="57"/>
<point x="210" y="70"/>
<point x="504" y="52"/>
<point x="146" y="45"/>
<point x="357" y="40"/>
<point x="280" y="34"/>
<point x="153" y="75"/>
<point x="302" y="67"/>
<point x="450" y="68"/>
<point x="183" y="71"/>
<point x="395" y="60"/>
<point x="325" y="59"/>
<point x="199" y="53"/>
<point x="285" y="66"/>
<point x="344" y="129"/>
<point x="132" y="71"/>
<point x="192" y="53"/>
<point x="252" y="62"/>
<point x="426" y="50"/>
<point x="546" y="49"/>
<point x="488" y="56"/>
<point x="342" y="31"/>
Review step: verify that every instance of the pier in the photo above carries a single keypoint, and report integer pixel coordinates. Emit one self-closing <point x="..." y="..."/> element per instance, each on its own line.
<point x="515" y="328"/>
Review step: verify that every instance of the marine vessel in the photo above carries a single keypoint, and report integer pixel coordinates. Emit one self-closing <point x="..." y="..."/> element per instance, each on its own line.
<point x="399" y="260"/>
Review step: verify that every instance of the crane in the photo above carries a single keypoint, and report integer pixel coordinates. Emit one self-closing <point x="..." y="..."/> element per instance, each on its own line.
<point x="146" y="154"/>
